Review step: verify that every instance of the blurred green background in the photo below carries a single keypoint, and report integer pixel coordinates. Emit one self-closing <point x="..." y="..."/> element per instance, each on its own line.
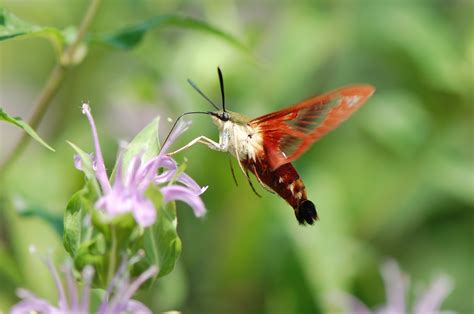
<point x="396" y="180"/>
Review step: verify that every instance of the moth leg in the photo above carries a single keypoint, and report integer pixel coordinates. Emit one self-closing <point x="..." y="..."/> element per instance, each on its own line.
<point x="232" y="170"/>
<point x="240" y="164"/>
<point x="237" y="156"/>
<point x="220" y="147"/>
<point x="251" y="184"/>
<point x="260" y="181"/>
<point x="245" y="172"/>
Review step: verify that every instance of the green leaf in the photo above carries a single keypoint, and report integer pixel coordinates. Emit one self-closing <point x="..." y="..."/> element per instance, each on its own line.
<point x="9" y="268"/>
<point x="87" y="167"/>
<point x="146" y="142"/>
<point x="161" y="241"/>
<point x="53" y="220"/>
<point x="73" y="222"/>
<point x="131" y="36"/>
<point x="90" y="251"/>
<point x="13" y="27"/>
<point x="20" y="123"/>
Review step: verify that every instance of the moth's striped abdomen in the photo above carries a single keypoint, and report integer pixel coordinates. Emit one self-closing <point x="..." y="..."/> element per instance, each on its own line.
<point x="286" y="182"/>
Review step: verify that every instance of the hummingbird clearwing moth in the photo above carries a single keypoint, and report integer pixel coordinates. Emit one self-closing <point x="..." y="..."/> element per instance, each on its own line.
<point x="266" y="146"/>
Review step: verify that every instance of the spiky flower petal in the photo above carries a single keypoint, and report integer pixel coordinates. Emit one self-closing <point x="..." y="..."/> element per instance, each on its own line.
<point x="396" y="284"/>
<point x="127" y="193"/>
<point x="117" y="299"/>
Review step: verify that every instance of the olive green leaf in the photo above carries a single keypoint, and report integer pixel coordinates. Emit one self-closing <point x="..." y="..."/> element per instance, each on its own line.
<point x="22" y="124"/>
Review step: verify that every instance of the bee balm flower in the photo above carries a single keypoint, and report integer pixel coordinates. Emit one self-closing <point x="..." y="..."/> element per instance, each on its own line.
<point x="395" y="286"/>
<point x="73" y="300"/>
<point x="127" y="193"/>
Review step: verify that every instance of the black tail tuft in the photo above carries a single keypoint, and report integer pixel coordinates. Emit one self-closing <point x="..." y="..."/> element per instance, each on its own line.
<point x="306" y="213"/>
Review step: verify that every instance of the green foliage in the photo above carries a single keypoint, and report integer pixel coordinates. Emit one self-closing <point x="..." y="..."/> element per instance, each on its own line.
<point x="126" y="38"/>
<point x="73" y="218"/>
<point x="87" y="167"/>
<point x="8" y="268"/>
<point x="55" y="221"/>
<point x="146" y="143"/>
<point x="161" y="241"/>
<point x="22" y="124"/>
<point x="13" y="27"/>
<point x="395" y="180"/>
<point x="104" y="240"/>
<point x="131" y="36"/>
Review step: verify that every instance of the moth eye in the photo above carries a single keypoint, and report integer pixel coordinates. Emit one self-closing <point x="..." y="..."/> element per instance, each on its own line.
<point x="225" y="116"/>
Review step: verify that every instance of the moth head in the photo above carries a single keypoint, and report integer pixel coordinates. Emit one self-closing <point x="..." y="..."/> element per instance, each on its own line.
<point x="220" y="117"/>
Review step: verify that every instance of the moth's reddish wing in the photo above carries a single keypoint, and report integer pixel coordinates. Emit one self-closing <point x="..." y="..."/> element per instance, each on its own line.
<point x="288" y="133"/>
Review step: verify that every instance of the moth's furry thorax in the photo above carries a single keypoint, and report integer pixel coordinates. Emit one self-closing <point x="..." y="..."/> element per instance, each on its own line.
<point x="245" y="141"/>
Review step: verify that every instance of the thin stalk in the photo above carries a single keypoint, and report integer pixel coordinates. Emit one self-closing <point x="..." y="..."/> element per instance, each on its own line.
<point x="155" y="252"/>
<point x="112" y="254"/>
<point x="50" y="89"/>
<point x="153" y="244"/>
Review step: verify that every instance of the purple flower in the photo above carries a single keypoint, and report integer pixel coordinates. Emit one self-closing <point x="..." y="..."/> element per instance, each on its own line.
<point x="395" y="286"/>
<point x="73" y="300"/>
<point x="127" y="193"/>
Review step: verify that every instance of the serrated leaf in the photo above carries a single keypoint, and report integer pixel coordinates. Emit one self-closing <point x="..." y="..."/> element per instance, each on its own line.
<point x="131" y="36"/>
<point x="80" y="205"/>
<point x="161" y="241"/>
<point x="13" y="27"/>
<point x="73" y="217"/>
<point x="22" y="124"/>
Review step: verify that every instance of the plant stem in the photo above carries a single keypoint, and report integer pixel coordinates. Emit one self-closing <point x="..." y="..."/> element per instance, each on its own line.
<point x="112" y="254"/>
<point x="155" y="252"/>
<point x="52" y="86"/>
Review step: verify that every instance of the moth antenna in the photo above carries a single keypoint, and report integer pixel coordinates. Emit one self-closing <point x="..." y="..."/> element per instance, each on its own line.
<point x="176" y="122"/>
<point x="202" y="94"/>
<point x="221" y="82"/>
